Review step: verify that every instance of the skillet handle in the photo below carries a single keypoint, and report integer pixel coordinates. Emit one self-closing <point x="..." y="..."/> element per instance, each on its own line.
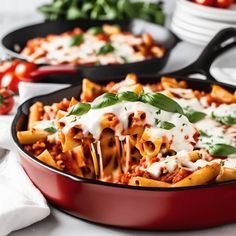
<point x="221" y="42"/>
<point x="49" y="70"/>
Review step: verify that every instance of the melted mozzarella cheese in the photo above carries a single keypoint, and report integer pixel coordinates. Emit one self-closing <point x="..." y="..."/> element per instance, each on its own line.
<point x="225" y="110"/>
<point x="44" y="124"/>
<point x="192" y="104"/>
<point x="216" y="133"/>
<point x="180" y="137"/>
<point x="59" y="50"/>
<point x="181" y="92"/>
<point x="170" y="163"/>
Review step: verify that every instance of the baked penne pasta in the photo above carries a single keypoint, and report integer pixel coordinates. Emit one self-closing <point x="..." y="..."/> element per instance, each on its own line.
<point x="226" y="174"/>
<point x="46" y="157"/>
<point x="100" y="45"/>
<point x="144" y="182"/>
<point x="155" y="135"/>
<point x="35" y="113"/>
<point x="200" y="177"/>
<point x="31" y="136"/>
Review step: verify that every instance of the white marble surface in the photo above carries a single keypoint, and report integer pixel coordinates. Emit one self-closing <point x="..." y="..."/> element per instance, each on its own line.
<point x="15" y="13"/>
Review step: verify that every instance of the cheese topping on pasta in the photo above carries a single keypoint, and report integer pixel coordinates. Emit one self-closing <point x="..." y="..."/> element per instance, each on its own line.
<point x="161" y="135"/>
<point x="96" y="46"/>
<point x="180" y="136"/>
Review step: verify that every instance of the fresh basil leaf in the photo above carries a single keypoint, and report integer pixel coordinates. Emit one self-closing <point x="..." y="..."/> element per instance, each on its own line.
<point x="76" y="40"/>
<point x="194" y="116"/>
<point x="226" y="120"/>
<point x="105" y="100"/>
<point x="164" y="124"/>
<point x="222" y="163"/>
<point x="51" y="129"/>
<point x="162" y="102"/>
<point x="1" y="99"/>
<point x="204" y="134"/>
<point x="128" y="96"/>
<point x="107" y="48"/>
<point x="95" y="30"/>
<point x="80" y="109"/>
<point x="221" y="149"/>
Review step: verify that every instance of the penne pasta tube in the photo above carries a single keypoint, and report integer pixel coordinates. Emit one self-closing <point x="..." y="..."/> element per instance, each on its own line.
<point x="194" y="155"/>
<point x="109" y="120"/>
<point x="200" y="177"/>
<point x="35" y="113"/>
<point x="95" y="159"/>
<point x="60" y="114"/>
<point x="144" y="182"/>
<point x="226" y="174"/>
<point x="149" y="145"/>
<point x="131" y="79"/>
<point x="222" y="95"/>
<point x="68" y="142"/>
<point x="90" y="90"/>
<point x="46" y="157"/>
<point x="78" y="153"/>
<point x="111" y="29"/>
<point x="73" y="102"/>
<point x="31" y="136"/>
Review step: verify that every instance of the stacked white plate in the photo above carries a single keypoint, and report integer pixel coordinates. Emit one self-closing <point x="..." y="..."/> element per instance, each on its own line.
<point x="198" y="24"/>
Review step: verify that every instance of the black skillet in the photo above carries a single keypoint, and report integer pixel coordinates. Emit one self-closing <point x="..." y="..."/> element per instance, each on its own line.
<point x="221" y="43"/>
<point x="15" y="41"/>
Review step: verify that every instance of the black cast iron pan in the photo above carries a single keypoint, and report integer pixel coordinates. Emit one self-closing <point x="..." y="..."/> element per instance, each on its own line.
<point x="15" y="41"/>
<point x="221" y="43"/>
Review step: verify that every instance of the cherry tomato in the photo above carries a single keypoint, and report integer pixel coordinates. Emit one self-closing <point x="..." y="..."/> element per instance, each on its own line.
<point x="10" y="81"/>
<point x="102" y="37"/>
<point x="6" y="101"/>
<point x="24" y="69"/>
<point x="209" y="3"/>
<point x="8" y="66"/>
<point x="223" y="3"/>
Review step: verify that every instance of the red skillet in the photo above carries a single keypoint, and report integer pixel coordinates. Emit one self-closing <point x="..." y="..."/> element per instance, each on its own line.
<point x="128" y="206"/>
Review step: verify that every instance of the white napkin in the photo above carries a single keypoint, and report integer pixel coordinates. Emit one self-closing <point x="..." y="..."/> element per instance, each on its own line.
<point x="21" y="204"/>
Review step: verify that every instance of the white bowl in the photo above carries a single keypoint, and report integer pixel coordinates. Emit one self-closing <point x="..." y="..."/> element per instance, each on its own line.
<point x="189" y="36"/>
<point x="200" y="22"/>
<point x="187" y="25"/>
<point x="213" y="13"/>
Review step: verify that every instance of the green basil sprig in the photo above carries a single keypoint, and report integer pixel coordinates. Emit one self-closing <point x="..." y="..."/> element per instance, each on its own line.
<point x="164" y="124"/>
<point x="194" y="116"/>
<point x="80" y="109"/>
<point x="221" y="149"/>
<point x="95" y="30"/>
<point x="108" y="99"/>
<point x="103" y="10"/>
<point x="128" y="96"/>
<point x="226" y="120"/>
<point x="107" y="48"/>
<point x="76" y="40"/>
<point x="105" y="100"/>
<point x="162" y="102"/>
<point x="204" y="134"/>
<point x="51" y="129"/>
